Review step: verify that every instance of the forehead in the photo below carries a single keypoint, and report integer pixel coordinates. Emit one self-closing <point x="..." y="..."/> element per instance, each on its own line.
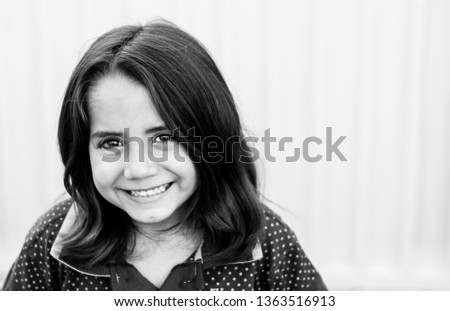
<point x="117" y="102"/>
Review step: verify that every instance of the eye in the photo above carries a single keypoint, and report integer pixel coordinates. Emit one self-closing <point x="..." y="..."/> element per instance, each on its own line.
<point x="111" y="142"/>
<point x="162" y="138"/>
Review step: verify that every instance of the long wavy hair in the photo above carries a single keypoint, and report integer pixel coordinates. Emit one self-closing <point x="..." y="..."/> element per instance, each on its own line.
<point x="188" y="92"/>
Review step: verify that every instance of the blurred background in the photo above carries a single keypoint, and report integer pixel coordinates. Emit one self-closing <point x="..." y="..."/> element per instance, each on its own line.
<point x="377" y="72"/>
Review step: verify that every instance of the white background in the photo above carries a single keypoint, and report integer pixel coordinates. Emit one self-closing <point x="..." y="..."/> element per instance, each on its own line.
<point x="377" y="72"/>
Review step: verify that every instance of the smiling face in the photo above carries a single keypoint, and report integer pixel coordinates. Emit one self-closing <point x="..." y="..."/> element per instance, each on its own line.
<point x="149" y="190"/>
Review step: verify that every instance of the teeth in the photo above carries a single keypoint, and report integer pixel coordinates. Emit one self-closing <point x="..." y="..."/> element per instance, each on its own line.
<point x="149" y="192"/>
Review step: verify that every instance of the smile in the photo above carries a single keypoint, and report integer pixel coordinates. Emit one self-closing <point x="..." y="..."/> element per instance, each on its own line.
<point x="150" y="192"/>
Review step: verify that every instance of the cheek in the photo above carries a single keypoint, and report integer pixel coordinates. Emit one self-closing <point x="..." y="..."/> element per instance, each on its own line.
<point x="183" y="169"/>
<point x="189" y="174"/>
<point x="192" y="173"/>
<point x="103" y="174"/>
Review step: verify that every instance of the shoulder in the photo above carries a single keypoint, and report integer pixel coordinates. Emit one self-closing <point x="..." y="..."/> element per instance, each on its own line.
<point x="284" y="265"/>
<point x="278" y="240"/>
<point x="275" y="229"/>
<point x="46" y="228"/>
<point x="34" y="268"/>
<point x="279" y="243"/>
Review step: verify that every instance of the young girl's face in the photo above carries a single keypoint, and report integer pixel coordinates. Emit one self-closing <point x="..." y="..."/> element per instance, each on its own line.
<point x="150" y="176"/>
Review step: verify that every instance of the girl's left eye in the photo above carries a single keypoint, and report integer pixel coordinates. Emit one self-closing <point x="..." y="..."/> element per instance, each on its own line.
<point x="162" y="138"/>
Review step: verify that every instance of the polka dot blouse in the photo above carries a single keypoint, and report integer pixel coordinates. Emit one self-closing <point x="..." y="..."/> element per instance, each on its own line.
<point x="278" y="263"/>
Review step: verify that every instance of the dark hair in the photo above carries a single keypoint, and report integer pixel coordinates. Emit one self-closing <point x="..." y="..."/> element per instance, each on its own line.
<point x="188" y="92"/>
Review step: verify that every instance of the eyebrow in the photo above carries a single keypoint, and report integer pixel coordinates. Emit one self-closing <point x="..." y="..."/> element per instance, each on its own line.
<point x="104" y="134"/>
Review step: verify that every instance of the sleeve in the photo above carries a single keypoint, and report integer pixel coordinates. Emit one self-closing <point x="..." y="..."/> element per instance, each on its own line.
<point x="34" y="268"/>
<point x="286" y="264"/>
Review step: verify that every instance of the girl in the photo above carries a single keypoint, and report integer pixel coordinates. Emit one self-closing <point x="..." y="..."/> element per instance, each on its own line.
<point x="153" y="204"/>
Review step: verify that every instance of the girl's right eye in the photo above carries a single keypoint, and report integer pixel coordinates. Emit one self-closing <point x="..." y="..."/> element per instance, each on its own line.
<point x="110" y="143"/>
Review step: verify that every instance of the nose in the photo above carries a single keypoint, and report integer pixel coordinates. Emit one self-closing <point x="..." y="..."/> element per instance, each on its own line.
<point x="138" y="166"/>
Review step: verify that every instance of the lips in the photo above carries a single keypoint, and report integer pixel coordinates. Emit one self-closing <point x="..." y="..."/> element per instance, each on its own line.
<point x="149" y="192"/>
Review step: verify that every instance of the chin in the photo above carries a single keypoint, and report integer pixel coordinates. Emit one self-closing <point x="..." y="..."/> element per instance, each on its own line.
<point x="157" y="221"/>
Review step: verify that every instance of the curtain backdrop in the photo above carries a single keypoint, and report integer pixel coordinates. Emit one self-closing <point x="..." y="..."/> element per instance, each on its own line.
<point x="377" y="72"/>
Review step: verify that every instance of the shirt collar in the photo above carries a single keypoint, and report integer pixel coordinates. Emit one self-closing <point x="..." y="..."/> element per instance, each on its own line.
<point x="103" y="270"/>
<point x="55" y="251"/>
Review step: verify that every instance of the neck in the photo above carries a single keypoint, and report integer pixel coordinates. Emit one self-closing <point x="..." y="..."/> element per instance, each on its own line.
<point x="149" y="240"/>
<point x="161" y="236"/>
